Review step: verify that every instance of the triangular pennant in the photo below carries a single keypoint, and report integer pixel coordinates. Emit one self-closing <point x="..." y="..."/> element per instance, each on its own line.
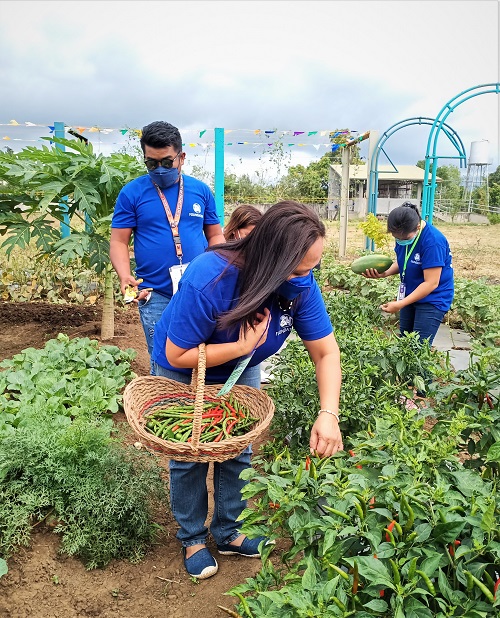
<point x="6" y="137"/>
<point x="297" y="133"/>
<point x="312" y="133"/>
<point x="30" y="124"/>
<point x="269" y="132"/>
<point x="323" y="133"/>
<point x="257" y="131"/>
<point x="192" y="145"/>
<point x="81" y="129"/>
<point x="229" y="144"/>
<point x="228" y="131"/>
<point x="123" y="131"/>
<point x="94" y="130"/>
<point x="202" y="133"/>
<point x="316" y="146"/>
<point x="14" y="122"/>
<point x="51" y="129"/>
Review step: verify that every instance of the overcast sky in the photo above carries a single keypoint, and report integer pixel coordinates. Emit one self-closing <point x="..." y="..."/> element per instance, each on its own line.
<point x="248" y="65"/>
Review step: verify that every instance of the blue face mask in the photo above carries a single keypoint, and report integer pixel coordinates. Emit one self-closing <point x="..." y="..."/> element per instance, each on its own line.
<point x="405" y="243"/>
<point x="293" y="287"/>
<point x="164" y="177"/>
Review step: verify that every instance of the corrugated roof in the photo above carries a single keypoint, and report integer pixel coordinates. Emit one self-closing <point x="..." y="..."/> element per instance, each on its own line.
<point x="385" y="172"/>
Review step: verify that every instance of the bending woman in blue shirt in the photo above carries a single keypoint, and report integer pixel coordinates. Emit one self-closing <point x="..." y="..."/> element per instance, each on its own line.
<point x="424" y="264"/>
<point x="242" y="298"/>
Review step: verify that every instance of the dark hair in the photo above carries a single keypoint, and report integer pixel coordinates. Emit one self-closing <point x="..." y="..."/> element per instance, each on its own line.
<point x="268" y="256"/>
<point x="242" y="216"/>
<point x="404" y="219"/>
<point x="161" y="134"/>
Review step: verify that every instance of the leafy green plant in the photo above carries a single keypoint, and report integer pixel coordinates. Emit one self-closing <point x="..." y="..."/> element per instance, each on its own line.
<point x="68" y="377"/>
<point x="44" y="186"/>
<point x="101" y="496"/>
<point x="375" y="230"/>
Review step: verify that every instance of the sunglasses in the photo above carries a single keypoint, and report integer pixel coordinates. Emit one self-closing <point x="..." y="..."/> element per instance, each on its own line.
<point x="152" y="164"/>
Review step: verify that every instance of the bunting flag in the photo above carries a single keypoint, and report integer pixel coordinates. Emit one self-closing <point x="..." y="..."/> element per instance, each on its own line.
<point x="94" y="130"/>
<point x="123" y="131"/>
<point x="51" y="129"/>
<point x="311" y="133"/>
<point x="202" y="133"/>
<point x="80" y="129"/>
<point x="297" y="133"/>
<point x="6" y="137"/>
<point x="14" y="122"/>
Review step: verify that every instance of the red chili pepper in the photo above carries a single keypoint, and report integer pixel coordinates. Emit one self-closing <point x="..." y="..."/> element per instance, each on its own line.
<point x="488" y="401"/>
<point x="372" y="502"/>
<point x="382" y="592"/>
<point x="390" y="527"/>
<point x="495" y="588"/>
<point x="451" y="548"/>
<point x="274" y="505"/>
<point x="353" y="454"/>
<point x="308" y="462"/>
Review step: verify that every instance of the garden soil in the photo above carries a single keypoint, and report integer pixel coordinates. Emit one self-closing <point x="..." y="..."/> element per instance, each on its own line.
<point x="41" y="582"/>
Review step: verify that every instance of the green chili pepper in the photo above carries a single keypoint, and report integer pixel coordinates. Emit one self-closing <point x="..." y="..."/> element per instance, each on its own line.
<point x="428" y="583"/>
<point x="395" y="572"/>
<point x="412" y="569"/>
<point x="484" y="589"/>
<point x="339" y="571"/>
<point x="335" y="512"/>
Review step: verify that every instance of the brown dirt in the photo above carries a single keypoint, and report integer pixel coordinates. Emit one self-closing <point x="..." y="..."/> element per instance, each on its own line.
<point x="41" y="583"/>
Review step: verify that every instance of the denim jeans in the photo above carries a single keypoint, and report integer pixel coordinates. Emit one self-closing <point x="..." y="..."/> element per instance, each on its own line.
<point x="150" y="312"/>
<point x="422" y="318"/>
<point x="188" y="485"/>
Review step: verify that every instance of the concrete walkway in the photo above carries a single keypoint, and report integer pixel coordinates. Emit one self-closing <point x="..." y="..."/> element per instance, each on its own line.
<point x="457" y="343"/>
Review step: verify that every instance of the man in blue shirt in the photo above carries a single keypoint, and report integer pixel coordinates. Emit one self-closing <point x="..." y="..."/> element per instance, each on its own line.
<point x="172" y="218"/>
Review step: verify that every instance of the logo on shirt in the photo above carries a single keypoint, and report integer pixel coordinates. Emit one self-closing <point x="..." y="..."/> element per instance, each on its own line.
<point x="286" y="322"/>
<point x="196" y="211"/>
<point x="416" y="258"/>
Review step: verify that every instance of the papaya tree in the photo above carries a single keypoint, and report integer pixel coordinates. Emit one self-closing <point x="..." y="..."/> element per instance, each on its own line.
<point x="42" y="186"/>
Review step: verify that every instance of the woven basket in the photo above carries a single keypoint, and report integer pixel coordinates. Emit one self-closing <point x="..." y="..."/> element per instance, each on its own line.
<point x="144" y="394"/>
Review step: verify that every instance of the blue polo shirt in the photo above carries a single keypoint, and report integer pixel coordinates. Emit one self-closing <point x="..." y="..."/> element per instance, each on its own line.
<point x="191" y="316"/>
<point x="432" y="250"/>
<point x="139" y="207"/>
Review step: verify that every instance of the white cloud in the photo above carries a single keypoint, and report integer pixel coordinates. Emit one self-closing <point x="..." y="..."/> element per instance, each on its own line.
<point x="302" y="65"/>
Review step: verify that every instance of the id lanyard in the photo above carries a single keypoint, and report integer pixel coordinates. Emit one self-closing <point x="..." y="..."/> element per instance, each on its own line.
<point x="408" y="254"/>
<point x="174" y="220"/>
<point x="241" y="365"/>
<point x="402" y="285"/>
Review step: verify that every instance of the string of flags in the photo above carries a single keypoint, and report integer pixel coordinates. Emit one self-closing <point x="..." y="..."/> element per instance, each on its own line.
<point x="136" y="133"/>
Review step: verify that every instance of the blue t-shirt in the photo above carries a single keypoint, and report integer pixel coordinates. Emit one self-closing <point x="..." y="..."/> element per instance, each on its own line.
<point x="431" y="251"/>
<point x="190" y="318"/>
<point x="139" y="207"/>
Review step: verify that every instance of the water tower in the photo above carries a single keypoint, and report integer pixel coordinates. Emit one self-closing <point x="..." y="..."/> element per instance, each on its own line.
<point x="477" y="171"/>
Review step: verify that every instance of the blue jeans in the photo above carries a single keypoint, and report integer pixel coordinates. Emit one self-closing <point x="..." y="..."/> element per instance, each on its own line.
<point x="188" y="485"/>
<point x="150" y="312"/>
<point x="422" y="318"/>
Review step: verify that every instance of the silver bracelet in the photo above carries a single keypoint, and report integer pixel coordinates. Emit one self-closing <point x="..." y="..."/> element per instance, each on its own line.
<point x="330" y="412"/>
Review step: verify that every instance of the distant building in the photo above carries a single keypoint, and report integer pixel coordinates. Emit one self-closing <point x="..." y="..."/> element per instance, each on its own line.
<point x="394" y="188"/>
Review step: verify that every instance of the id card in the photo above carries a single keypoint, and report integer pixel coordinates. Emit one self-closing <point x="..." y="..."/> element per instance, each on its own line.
<point x="401" y="291"/>
<point x="176" y="273"/>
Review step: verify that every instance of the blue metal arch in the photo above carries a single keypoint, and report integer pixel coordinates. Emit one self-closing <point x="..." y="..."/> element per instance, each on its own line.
<point x="429" y="189"/>
<point x="374" y="173"/>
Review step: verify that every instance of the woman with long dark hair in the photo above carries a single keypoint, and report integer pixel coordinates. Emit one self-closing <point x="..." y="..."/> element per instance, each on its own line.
<point x="241" y="299"/>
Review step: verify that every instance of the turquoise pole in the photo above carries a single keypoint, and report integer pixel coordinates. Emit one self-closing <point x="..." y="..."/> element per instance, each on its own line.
<point x="219" y="174"/>
<point x="429" y="189"/>
<point x="64" y="226"/>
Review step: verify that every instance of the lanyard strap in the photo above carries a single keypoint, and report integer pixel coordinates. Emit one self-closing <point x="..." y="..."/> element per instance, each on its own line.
<point x="174" y="220"/>
<point x="408" y="255"/>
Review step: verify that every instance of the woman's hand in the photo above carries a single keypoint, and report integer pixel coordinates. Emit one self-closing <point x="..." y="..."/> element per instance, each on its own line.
<point x="251" y="337"/>
<point x="372" y="273"/>
<point x="392" y="307"/>
<point x="326" y="438"/>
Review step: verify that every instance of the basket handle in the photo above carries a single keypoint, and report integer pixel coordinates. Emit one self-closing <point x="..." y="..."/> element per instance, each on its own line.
<point x="198" y="382"/>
